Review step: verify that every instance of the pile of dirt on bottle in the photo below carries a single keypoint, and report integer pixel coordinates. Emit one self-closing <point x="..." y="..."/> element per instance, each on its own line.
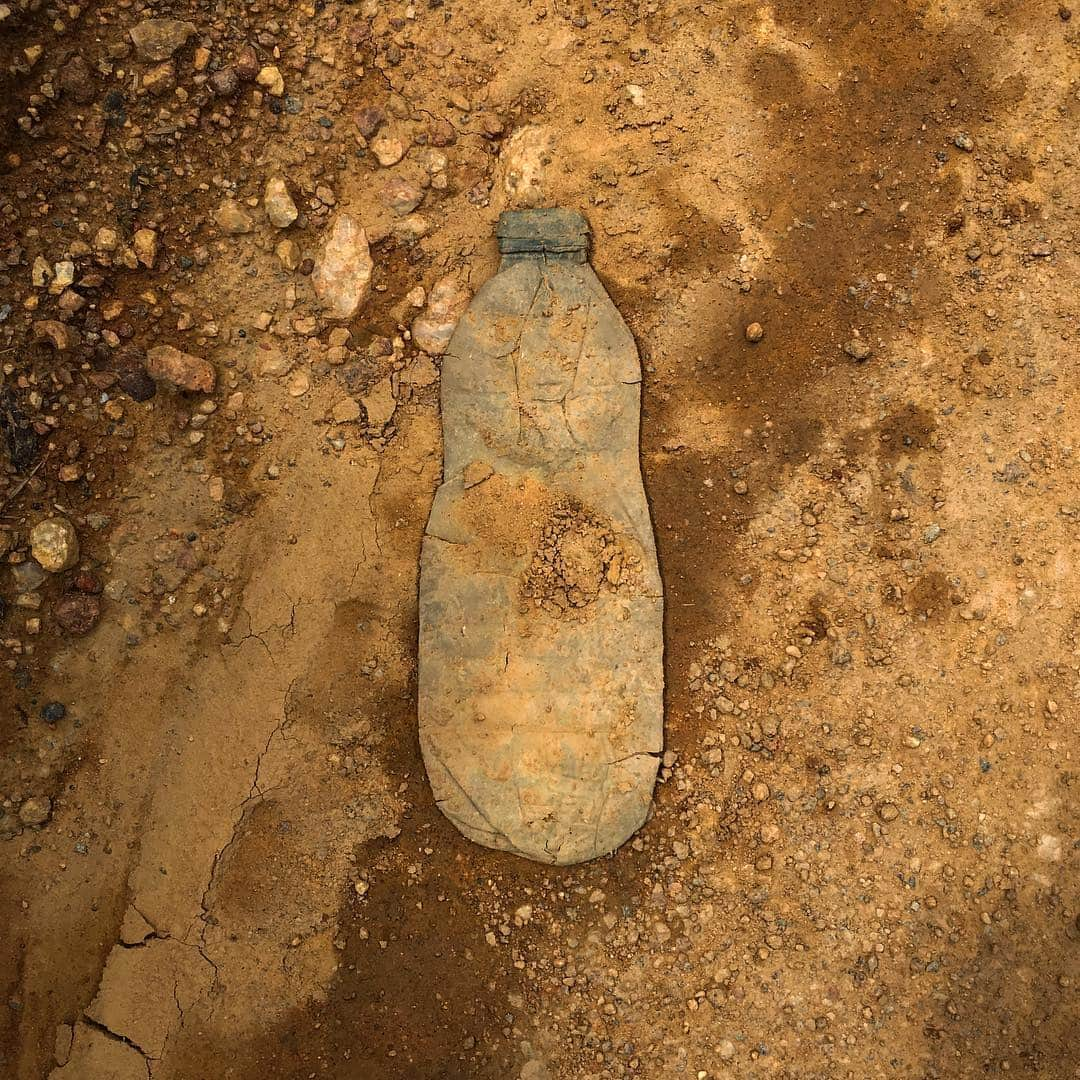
<point x="579" y="556"/>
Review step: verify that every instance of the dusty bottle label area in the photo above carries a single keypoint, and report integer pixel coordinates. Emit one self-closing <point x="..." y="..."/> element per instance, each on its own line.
<point x="541" y="607"/>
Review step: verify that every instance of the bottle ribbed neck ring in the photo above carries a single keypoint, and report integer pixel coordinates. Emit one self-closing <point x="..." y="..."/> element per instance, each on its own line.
<point x="552" y="231"/>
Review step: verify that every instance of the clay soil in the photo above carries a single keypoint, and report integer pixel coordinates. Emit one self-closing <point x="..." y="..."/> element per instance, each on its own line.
<point x="220" y="857"/>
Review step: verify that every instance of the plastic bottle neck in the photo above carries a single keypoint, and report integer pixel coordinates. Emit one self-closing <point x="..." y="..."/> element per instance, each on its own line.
<point x="566" y="258"/>
<point x="552" y="233"/>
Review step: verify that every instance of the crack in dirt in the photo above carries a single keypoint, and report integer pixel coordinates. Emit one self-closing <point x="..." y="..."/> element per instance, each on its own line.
<point x="414" y="108"/>
<point x="373" y="494"/>
<point x="97" y="1025"/>
<point x="255" y="792"/>
<point x="180" y="1014"/>
<point x="258" y="635"/>
<point x="359" y="566"/>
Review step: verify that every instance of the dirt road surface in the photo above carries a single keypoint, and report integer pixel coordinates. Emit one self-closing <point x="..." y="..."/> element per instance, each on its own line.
<point x="219" y="855"/>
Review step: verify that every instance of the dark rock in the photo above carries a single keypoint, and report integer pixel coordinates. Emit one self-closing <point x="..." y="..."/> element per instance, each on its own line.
<point x="137" y="384"/>
<point x="87" y="582"/>
<point x="19" y="434"/>
<point x="225" y="81"/>
<point x="77" y="80"/>
<point x="114" y="107"/>
<point x="53" y="712"/>
<point x="247" y="64"/>
<point x="369" y="120"/>
<point x="77" y="613"/>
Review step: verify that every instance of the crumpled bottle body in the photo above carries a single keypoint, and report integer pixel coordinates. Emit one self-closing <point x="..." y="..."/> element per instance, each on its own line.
<point x="541" y="609"/>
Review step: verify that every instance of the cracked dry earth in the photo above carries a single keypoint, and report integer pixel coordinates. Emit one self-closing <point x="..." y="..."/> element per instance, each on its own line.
<point x="219" y="854"/>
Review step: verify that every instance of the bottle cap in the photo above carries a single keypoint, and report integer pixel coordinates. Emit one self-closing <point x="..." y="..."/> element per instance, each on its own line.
<point x="551" y="231"/>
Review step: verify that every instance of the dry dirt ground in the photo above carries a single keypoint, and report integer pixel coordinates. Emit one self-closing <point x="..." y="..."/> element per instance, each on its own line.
<point x="219" y="857"/>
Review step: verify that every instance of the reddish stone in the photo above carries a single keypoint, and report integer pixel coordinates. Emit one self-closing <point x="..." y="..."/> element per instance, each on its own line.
<point x="247" y="63"/>
<point x="89" y="583"/>
<point x="442" y="133"/>
<point x="77" y="613"/>
<point x="369" y="120"/>
<point x="181" y="368"/>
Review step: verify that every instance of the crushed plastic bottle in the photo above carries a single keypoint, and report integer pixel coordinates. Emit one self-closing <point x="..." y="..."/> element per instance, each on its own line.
<point x="541" y="609"/>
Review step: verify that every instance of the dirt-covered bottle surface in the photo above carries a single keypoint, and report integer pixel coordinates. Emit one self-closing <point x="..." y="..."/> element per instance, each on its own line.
<point x="541" y="611"/>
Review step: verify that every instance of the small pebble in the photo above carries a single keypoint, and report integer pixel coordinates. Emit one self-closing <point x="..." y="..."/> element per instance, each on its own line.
<point x="271" y="80"/>
<point x="278" y="203"/>
<point x="858" y="349"/>
<point x="55" y="544"/>
<point x="53" y="712"/>
<point x="36" y="811"/>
